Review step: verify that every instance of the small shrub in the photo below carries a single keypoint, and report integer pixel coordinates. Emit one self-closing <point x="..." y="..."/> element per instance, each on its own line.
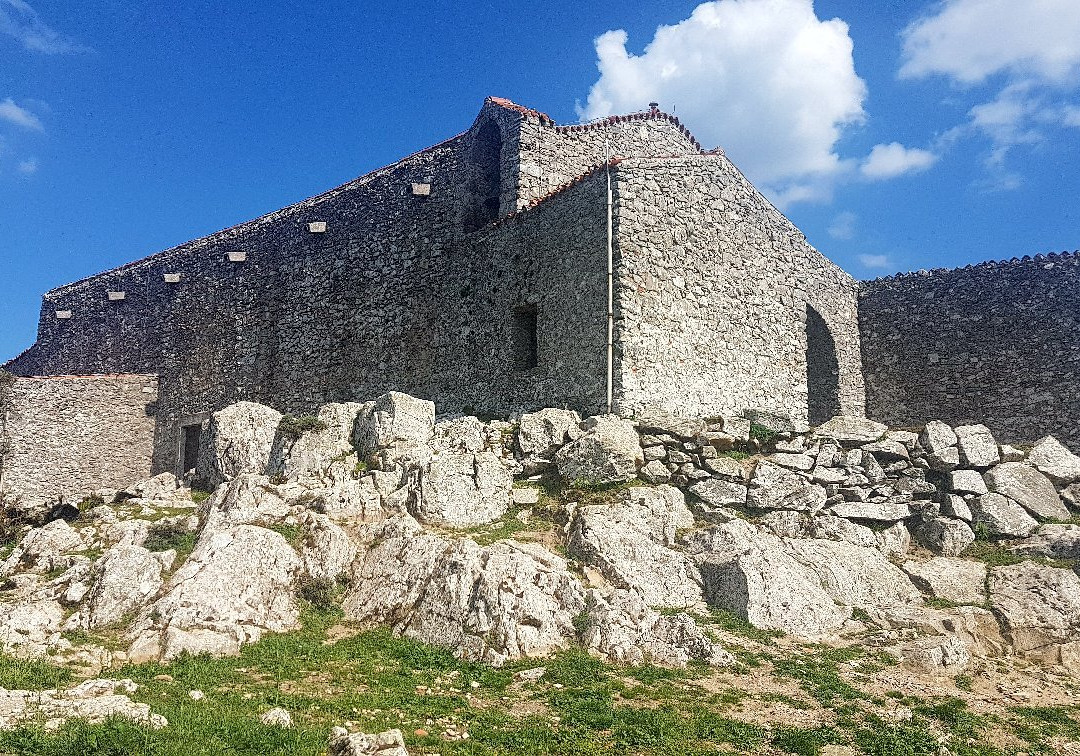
<point x="91" y="501"/>
<point x="762" y="433"/>
<point x="198" y="496"/>
<point x="167" y="535"/>
<point x="295" y="426"/>
<point x="319" y="592"/>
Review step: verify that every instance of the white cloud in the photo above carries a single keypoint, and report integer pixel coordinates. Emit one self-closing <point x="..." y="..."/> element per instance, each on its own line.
<point x="28" y="167"/>
<point x="1027" y="50"/>
<point x="876" y="262"/>
<point x="19" y="116"/>
<point x="765" y="79"/>
<point x="970" y="40"/>
<point x="843" y="226"/>
<point x="887" y="161"/>
<point x="19" y="20"/>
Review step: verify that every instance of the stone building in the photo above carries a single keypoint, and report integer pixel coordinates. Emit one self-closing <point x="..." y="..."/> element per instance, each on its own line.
<point x="521" y="264"/>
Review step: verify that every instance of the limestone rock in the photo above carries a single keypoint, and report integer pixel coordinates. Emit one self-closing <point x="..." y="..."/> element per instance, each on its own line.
<point x="895" y="541"/>
<point x="655" y="472"/>
<point x="1002" y="516"/>
<point x="92" y="700"/>
<point x="608" y="452"/>
<point x="854" y="575"/>
<point x="937" y="436"/>
<point x="309" y="454"/>
<point x="1039" y="609"/>
<point x="627" y="631"/>
<point x="237" y="439"/>
<point x="344" y="743"/>
<point x="851" y="430"/>
<point x="717" y="496"/>
<point x="247" y="499"/>
<point x="237" y="584"/>
<point x="803" y="462"/>
<point x="961" y="581"/>
<point x="394" y="419"/>
<point x="956" y="507"/>
<point x="327" y="551"/>
<point x="966" y="482"/>
<point x="1052" y="542"/>
<point x="888" y="510"/>
<point x="461" y="490"/>
<point x="541" y="434"/>
<point x="774" y="487"/>
<point x="788" y="524"/>
<point x="977" y="446"/>
<point x="944" y="655"/>
<point x="628" y="541"/>
<point x="1050" y="457"/>
<point x="162" y="488"/>
<point x="124" y="580"/>
<point x="44" y="549"/>
<point x="727" y="468"/>
<point x="945" y="536"/>
<point x="276" y="717"/>
<point x="1027" y="487"/>
<point x="30" y="626"/>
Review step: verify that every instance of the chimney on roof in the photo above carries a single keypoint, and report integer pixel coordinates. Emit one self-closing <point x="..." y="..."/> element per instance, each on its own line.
<point x="654" y="107"/>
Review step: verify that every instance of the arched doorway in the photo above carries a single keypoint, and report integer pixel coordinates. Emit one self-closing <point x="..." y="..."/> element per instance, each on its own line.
<point x="822" y="370"/>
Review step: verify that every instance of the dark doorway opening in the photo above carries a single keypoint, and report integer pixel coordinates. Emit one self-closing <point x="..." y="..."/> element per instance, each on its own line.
<point x="525" y="338"/>
<point x="822" y="369"/>
<point x="190" y="435"/>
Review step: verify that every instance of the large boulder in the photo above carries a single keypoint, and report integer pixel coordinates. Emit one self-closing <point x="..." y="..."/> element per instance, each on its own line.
<point x="977" y="446"/>
<point x="541" y="434"/>
<point x="851" y="430"/>
<point x="1002" y="516"/>
<point x="1027" y="487"/>
<point x="629" y="542"/>
<point x="461" y="489"/>
<point x="609" y="451"/>
<point x="945" y="536"/>
<point x="961" y="581"/>
<point x="1050" y="457"/>
<point x="1052" y="541"/>
<point x="247" y="499"/>
<point x="310" y="453"/>
<point x="487" y="603"/>
<point x="623" y="628"/>
<point x="236" y="440"/>
<point x="345" y="743"/>
<point x="237" y="584"/>
<point x="854" y="575"/>
<point x="775" y="487"/>
<point x="788" y="524"/>
<point x="124" y="580"/>
<point x="394" y="419"/>
<point x="44" y="549"/>
<point x="1039" y="610"/>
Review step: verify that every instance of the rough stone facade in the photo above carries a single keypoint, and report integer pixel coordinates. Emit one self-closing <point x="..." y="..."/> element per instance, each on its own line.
<point x="62" y="437"/>
<point x="996" y="343"/>
<point x="476" y="273"/>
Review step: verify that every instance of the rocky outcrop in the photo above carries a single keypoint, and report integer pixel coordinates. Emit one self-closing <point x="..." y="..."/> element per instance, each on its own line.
<point x="93" y="701"/>
<point x="1027" y="487"/>
<point x="236" y="440"/>
<point x="608" y="451"/>
<point x="1039" y="610"/>
<point x="309" y="453"/>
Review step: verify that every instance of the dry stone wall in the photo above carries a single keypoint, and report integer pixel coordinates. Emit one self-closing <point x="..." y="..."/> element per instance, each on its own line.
<point x="722" y="306"/>
<point x="63" y="437"/>
<point x="997" y="343"/>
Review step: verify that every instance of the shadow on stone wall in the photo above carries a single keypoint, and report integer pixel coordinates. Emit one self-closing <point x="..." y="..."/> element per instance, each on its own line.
<point x="822" y="369"/>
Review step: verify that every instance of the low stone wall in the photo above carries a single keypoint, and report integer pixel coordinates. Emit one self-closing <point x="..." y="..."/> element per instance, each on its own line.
<point x="997" y="343"/>
<point x="62" y="437"/>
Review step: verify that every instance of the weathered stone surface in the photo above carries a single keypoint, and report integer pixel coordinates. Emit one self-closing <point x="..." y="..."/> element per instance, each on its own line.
<point x="124" y="580"/>
<point x="854" y="575"/>
<point x="661" y="422"/>
<point x="1052" y="542"/>
<point x="774" y="487"/>
<point x="344" y="743"/>
<point x="728" y="469"/>
<point x="608" y="452"/>
<point x="1002" y="516"/>
<point x="977" y="446"/>
<point x="237" y="584"/>
<point x="310" y="454"/>
<point x="541" y="434"/>
<point x="326" y="551"/>
<point x="276" y="717"/>
<point x="44" y="549"/>
<point x="895" y="541"/>
<point x="395" y="419"/>
<point x="247" y="499"/>
<point x="966" y="482"/>
<point x="945" y="536"/>
<point x="945" y="655"/>
<point x="788" y="524"/>
<point x="163" y="488"/>
<point x="961" y="581"/>
<point x="461" y="490"/>
<point x="717" y="496"/>
<point x="937" y="436"/>
<point x="1027" y="487"/>
<point x="91" y="700"/>
<point x="956" y="507"/>
<point x="628" y="541"/>
<point x="1039" y="609"/>
<point x="767" y="587"/>
<point x="655" y="472"/>
<point x="30" y="626"/>
<point x="626" y="630"/>
<point x="851" y="430"/>
<point x="802" y="462"/>
<point x="237" y="439"/>
<point x="1050" y="457"/>
<point x="890" y="510"/>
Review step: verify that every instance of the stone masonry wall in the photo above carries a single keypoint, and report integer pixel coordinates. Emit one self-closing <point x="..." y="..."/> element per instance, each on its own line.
<point x="715" y="291"/>
<point x="997" y="343"/>
<point x="63" y="437"/>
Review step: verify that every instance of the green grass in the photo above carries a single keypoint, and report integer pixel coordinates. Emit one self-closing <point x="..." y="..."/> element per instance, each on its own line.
<point x="819" y="675"/>
<point x="31" y="674"/>
<point x="163" y="536"/>
<point x="733" y="623"/>
<point x="804" y="741"/>
<point x="198" y="496"/>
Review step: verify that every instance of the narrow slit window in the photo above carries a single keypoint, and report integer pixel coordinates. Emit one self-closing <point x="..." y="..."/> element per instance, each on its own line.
<point x="525" y="338"/>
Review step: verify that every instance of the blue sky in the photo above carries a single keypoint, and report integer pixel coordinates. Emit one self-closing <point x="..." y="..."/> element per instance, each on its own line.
<point x="898" y="134"/>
